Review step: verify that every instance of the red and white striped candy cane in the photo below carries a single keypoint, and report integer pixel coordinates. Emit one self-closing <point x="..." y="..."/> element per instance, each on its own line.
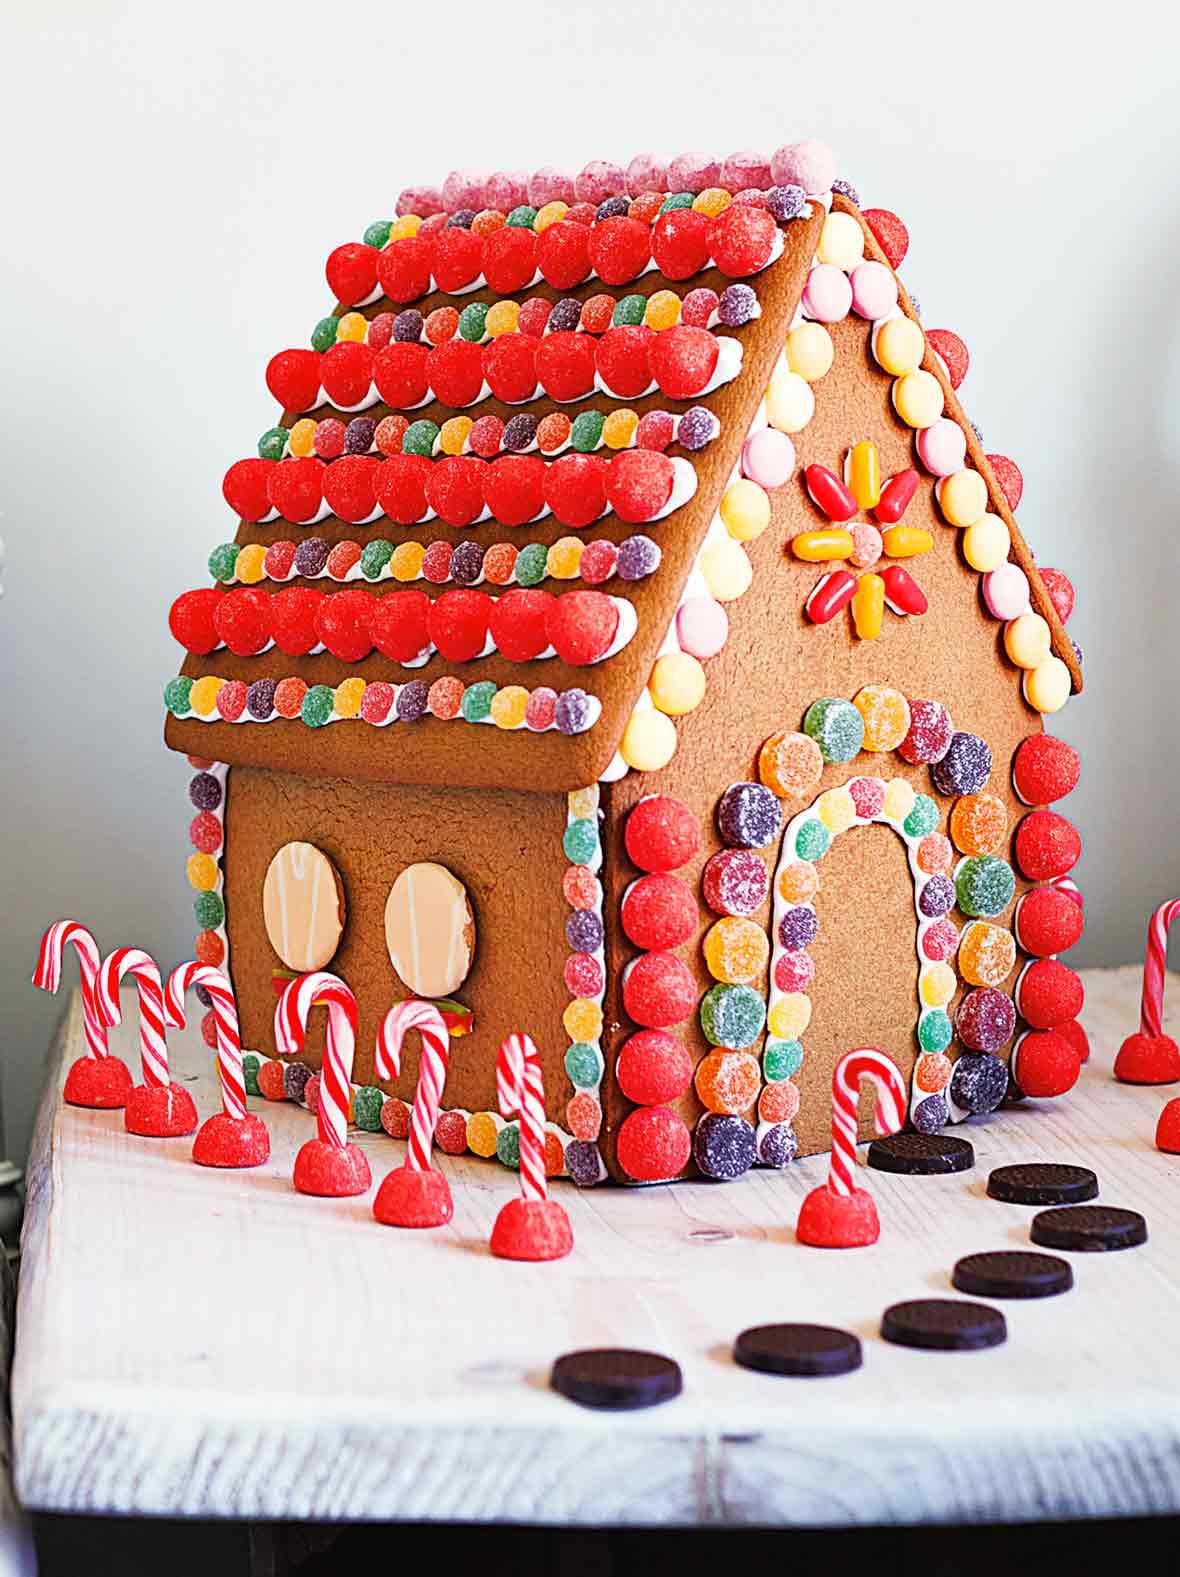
<point x="153" y="1048"/>
<point x="432" y="1069"/>
<point x="225" y="1021"/>
<point x="47" y="975"/>
<point x="295" y="1004"/>
<point x="863" y="1063"/>
<point x="1151" y="1004"/>
<point x="520" y="1087"/>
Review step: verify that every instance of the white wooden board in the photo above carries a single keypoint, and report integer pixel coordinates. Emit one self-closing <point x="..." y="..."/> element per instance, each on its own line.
<point x="215" y="1344"/>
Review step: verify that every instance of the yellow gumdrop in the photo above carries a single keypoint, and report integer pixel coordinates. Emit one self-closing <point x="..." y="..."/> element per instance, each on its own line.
<point x="407" y="225"/>
<point x="836" y="809"/>
<point x="549" y="214"/>
<point x="798" y="882"/>
<point x="1047" y="687"/>
<point x="677" y="683"/>
<point x="452" y="435"/>
<point x="483" y="1129"/>
<point x="886" y="714"/>
<point x="502" y="318"/>
<point x="582" y="1019"/>
<point x="508" y="706"/>
<point x="202" y="872"/>
<point x="618" y="431"/>
<point x="745" y="509"/>
<point x="1028" y="640"/>
<point x="352" y="326"/>
<point x="918" y="398"/>
<point x="250" y="564"/>
<point x="349" y="695"/>
<point x="301" y="438"/>
<point x="790" y="404"/>
<point x="736" y="951"/>
<point x="822" y="547"/>
<point x="936" y="985"/>
<point x="841" y="242"/>
<point x="864" y="474"/>
<point x="906" y="542"/>
<point x="564" y="558"/>
<point x="899" y="799"/>
<point x="987" y="954"/>
<point x="583" y="802"/>
<point x="202" y="698"/>
<point x="648" y="743"/>
<point x="962" y="497"/>
<point x="712" y="201"/>
<point x="810" y="351"/>
<point x="789" y="1016"/>
<point x="726" y="569"/>
<point x="986" y="544"/>
<point x="406" y="563"/>
<point x="662" y="310"/>
<point x="898" y="346"/>
<point x="868" y="606"/>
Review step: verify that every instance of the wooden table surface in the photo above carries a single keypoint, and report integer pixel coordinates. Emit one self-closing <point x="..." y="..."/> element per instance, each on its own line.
<point x="215" y="1344"/>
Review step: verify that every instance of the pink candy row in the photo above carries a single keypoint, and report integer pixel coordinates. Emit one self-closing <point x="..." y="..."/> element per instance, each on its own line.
<point x="809" y="164"/>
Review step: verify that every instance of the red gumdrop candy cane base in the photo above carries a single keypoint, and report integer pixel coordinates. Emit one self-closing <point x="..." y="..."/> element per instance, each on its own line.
<point x="838" y="1214"/>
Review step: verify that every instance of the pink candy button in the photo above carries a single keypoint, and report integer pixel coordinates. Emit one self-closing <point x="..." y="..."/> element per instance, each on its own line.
<point x="828" y="295"/>
<point x="768" y="458"/>
<point x="874" y="290"/>
<point x="702" y="627"/>
<point x="942" y="448"/>
<point x="1005" y="590"/>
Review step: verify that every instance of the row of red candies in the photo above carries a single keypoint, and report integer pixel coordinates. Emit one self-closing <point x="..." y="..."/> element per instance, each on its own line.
<point x="682" y="242"/>
<point x="636" y="484"/>
<point x="627" y="358"/>
<point x="522" y="623"/>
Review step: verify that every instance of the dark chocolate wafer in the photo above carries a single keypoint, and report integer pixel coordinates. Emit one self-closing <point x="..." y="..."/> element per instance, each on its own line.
<point x="1089" y="1229"/>
<point x="616" y="1378"/>
<point x="943" y="1325"/>
<point x="1043" y="1183"/>
<point x="798" y="1350"/>
<point x="921" y="1154"/>
<point x="1012" y="1273"/>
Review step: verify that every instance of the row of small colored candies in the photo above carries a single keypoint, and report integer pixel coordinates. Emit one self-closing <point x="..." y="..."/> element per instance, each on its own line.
<point x="206" y="792"/>
<point x="212" y="699"/>
<point x="585" y="980"/>
<point x="659" y="913"/>
<point x="466" y="564"/>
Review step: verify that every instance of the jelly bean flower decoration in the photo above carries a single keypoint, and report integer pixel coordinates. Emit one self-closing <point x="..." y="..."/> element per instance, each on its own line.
<point x="853" y="548"/>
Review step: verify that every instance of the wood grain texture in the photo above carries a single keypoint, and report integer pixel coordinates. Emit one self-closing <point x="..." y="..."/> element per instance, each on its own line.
<point x="217" y="1345"/>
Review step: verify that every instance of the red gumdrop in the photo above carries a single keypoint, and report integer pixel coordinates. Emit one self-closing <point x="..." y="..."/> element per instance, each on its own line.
<point x="245" y="488"/>
<point x="401" y="487"/>
<point x="621" y="359"/>
<point x="1047" y="846"/>
<point x="653" y="1145"/>
<point x="639" y="484"/>
<point x="537" y="310"/>
<point x="454" y="489"/>
<point x="1047" y="922"/>
<point x="1061" y="593"/>
<point x="514" y="488"/>
<point x="1008" y="475"/>
<point x="510" y="363"/>
<point x="293" y="615"/>
<point x="563" y="255"/>
<point x="509" y="258"/>
<point x="403" y="268"/>
<point x="518" y="623"/>
<point x="565" y="364"/>
<point x="231" y="703"/>
<point x="456" y="370"/>
<point x="192" y="619"/>
<point x="659" y="991"/>
<point x="1077" y="1037"/>
<point x="352" y="272"/>
<point x="402" y="374"/>
<point x="662" y="834"/>
<point x="346" y="372"/>
<point x="741" y="239"/>
<point x="293" y="377"/>
<point x="683" y="360"/>
<point x="680" y="243"/>
<point x="296" y="488"/>
<point x="1045" y="769"/>
<point x="343" y="624"/>
<point x="620" y="249"/>
<point x="458" y="258"/>
<point x="459" y="623"/>
<point x="1167" y="1132"/>
<point x="399" y="625"/>
<point x="227" y="1141"/>
<point x="953" y="352"/>
<point x="653" y="1068"/>
<point x="100" y="1083"/>
<point x="1049" y="994"/>
<point x="331" y="1172"/>
<point x="1148" y="1059"/>
<point x="659" y="911"/>
<point x="409" y="1198"/>
<point x="159" y="1111"/>
<point x="350" y="486"/>
<point x="891" y="235"/>
<point x="532" y="1230"/>
<point x="582" y="625"/>
<point x="575" y="487"/>
<point x="831" y="1220"/>
<point x="929" y="735"/>
<point x="243" y="620"/>
<point x="1045" y="1064"/>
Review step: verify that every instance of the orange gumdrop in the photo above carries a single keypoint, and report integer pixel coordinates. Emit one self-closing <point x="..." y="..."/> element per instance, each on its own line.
<point x="798" y="882"/>
<point x="727" y="1081"/>
<point x="979" y="823"/>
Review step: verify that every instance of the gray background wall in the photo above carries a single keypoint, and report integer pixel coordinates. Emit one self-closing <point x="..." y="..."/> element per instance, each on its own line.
<point x="176" y="177"/>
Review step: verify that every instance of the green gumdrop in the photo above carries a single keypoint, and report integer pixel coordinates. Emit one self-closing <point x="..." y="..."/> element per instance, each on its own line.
<point x="472" y="320"/>
<point x="630" y="309"/>
<point x="477" y="701"/>
<point x="508" y="1146"/>
<point x="209" y="910"/>
<point x="923" y="817"/>
<point x="934" y="1030"/>
<point x="375" y="556"/>
<point x="366" y="1108"/>
<point x="583" y="1065"/>
<point x="732" y="1016"/>
<point x="524" y="216"/>
<point x="676" y="200"/>
<point x="580" y="841"/>
<point x="273" y="443"/>
<point x="837" y="728"/>
<point x="251" y="1063"/>
<point x="318" y="705"/>
<point x="586" y="432"/>
<point x="223" y="561"/>
<point x="420" y="438"/>
<point x="176" y="695"/>
<point x="531" y="564"/>
<point x="812" y="840"/>
<point x="984" y="886"/>
<point x="323" y="336"/>
<point x="377" y="234"/>
<point x="782" y="1059"/>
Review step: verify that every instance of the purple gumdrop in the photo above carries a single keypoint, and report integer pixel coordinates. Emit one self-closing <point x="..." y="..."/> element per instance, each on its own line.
<point x="749" y="816"/>
<point x="779" y="1146"/>
<point x="937" y="897"/>
<point x="411" y="701"/>
<point x="798" y="928"/>
<point x="205" y="791"/>
<point x="723" y="1146"/>
<point x="637" y="558"/>
<point x="583" y="931"/>
<point x="572" y="713"/>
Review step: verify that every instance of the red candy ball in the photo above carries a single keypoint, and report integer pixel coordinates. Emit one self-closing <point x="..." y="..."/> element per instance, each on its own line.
<point x="401" y="487"/>
<point x="661" y="834"/>
<point x="509" y="258"/>
<point x="891" y="235"/>
<point x="581" y="626"/>
<point x="575" y="487"/>
<point x="953" y="352"/>
<point x="1045" y="1064"/>
<point x="1049" y="994"/>
<point x="653" y="1145"/>
<point x="1045" y="769"/>
<point x="621" y="358"/>
<point x="659" y="911"/>
<point x="402" y="374"/>
<point x="456" y="370"/>
<point x="652" y="1068"/>
<point x="192" y="619"/>
<point x="399" y="625"/>
<point x="243" y="620"/>
<point x="741" y="239"/>
<point x="514" y="488"/>
<point x="620" y="249"/>
<point x="403" y="268"/>
<point x="683" y="359"/>
<point x="1061" y="593"/>
<point x="518" y="623"/>
<point x="680" y="243"/>
<point x="296" y="488"/>
<point x="659" y="991"/>
<point x="293" y="377"/>
<point x="454" y="489"/>
<point x="459" y="624"/>
<point x="1047" y="922"/>
<point x="1047" y="845"/>
<point x="350" y="486"/>
<point x="510" y="364"/>
<point x="565" y="364"/>
<point x="346" y="372"/>
<point x="246" y="488"/>
<point x="563" y="255"/>
<point x="343" y="624"/>
<point x="1007" y="474"/>
<point x="458" y="258"/>
<point x="293" y="611"/>
<point x="639" y="484"/>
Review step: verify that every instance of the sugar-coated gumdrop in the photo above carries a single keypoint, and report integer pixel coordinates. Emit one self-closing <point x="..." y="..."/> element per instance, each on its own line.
<point x="680" y="243"/>
<point x="1167" y="1132"/>
<point x="1045" y="769"/>
<point x="953" y="352"/>
<point x="191" y="620"/>
<point x="343" y="623"/>
<point x="243" y="620"/>
<point x="658" y="991"/>
<point x="724" y="1147"/>
<point x="979" y="1083"/>
<point x="809" y="164"/>
<point x="741" y="240"/>
<point x="929" y="735"/>
<point x="987" y="954"/>
<point x="293" y="378"/>
<point x="732" y="1016"/>
<point x="581" y="626"/>
<point x="979" y="823"/>
<point x="458" y="623"/>
<point x="1148" y="1059"/>
<point x="683" y="360"/>
<point x="653" y="1145"/>
<point x="728" y="1081"/>
<point x="736" y="950"/>
<point x="1044" y="1064"/>
<point x="965" y="767"/>
<point x="984" y="886"/>
<point x="101" y="1083"/>
<point x="565" y="364"/>
<point x="790" y="764"/>
<point x="622" y="360"/>
<point x="653" y="1068"/>
<point x="986" y="1020"/>
<point x="509" y="259"/>
<point x="296" y="488"/>
<point x="836" y="726"/>
<point x="575" y="489"/>
<point x="1047" y="846"/>
<point x="735" y="882"/>
<point x="1061" y="593"/>
<point x="346" y="371"/>
<point x="620" y="249"/>
<point x="886" y="715"/>
<point x="831" y="1220"/>
<point x="1047" y="922"/>
<point x="659" y="912"/>
<point x="749" y="816"/>
<point x="246" y="488"/>
<point x="891" y="235"/>
<point x="159" y="1111"/>
<point x="1077" y="1037"/>
<point x="1049" y="994"/>
<point x="662" y="834"/>
<point x="1007" y="474"/>
<point x="532" y="1230"/>
<point x="639" y="485"/>
<point x="226" y="1141"/>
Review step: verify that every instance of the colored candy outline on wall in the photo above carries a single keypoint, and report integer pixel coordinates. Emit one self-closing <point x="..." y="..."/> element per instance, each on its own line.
<point x="415" y="1194"/>
<point x="585" y="968"/>
<point x="96" y="1080"/>
<point x="1149" y="1056"/>
<point x="837" y="1214"/>
<point x="232" y="1137"/>
<point x="533" y="1227"/>
<point x="158" y="1108"/>
<point x="328" y="1165"/>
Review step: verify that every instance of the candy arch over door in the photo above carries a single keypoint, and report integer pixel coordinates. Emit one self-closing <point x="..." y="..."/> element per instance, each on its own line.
<point x="430" y="930"/>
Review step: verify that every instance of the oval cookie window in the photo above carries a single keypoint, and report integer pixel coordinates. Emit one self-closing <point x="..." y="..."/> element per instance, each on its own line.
<point x="430" y="930"/>
<point x="303" y="907"/>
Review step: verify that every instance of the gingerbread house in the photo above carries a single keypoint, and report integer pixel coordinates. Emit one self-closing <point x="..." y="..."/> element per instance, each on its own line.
<point x="626" y="638"/>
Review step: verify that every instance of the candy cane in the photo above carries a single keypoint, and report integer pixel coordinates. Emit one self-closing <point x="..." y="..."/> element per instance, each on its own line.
<point x="864" y="1063"/>
<point x="1151" y="1003"/>
<point x="295" y="1004"/>
<point x="47" y="975"/>
<point x="432" y="1069"/>
<point x="520" y="1087"/>
<point x="153" y="1048"/>
<point x="225" y="1022"/>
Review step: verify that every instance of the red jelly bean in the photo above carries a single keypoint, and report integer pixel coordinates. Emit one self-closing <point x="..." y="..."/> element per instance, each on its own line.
<point x="835" y="591"/>
<point x="346" y="372"/>
<point x="350" y="486"/>
<point x="245" y="488"/>
<point x="902" y="592"/>
<point x="509" y="259"/>
<point x="402" y="374"/>
<point x="1045" y="1064"/>
<point x="401" y="488"/>
<point x="563" y="255"/>
<point x="398" y="625"/>
<point x="621" y="359"/>
<point x="458" y="258"/>
<point x="192" y="619"/>
<point x="296" y="488"/>
<point x="243" y="620"/>
<point x="1045" y="769"/>
<point x="953" y="352"/>
<point x="639" y="484"/>
<point x="662" y="834"/>
<point x="294" y="616"/>
<point x="1047" y="846"/>
<point x="829" y="493"/>
<point x="683" y="359"/>
<point x="510" y="364"/>
<point x="454" y="489"/>
<point x="653" y="1067"/>
<point x="1047" y="922"/>
<point x="659" y="912"/>
<point x="456" y="372"/>
<point x="891" y="235"/>
<point x="1049" y="994"/>
<point x="680" y="243"/>
<point x="575" y="488"/>
<point x="653" y="1145"/>
<point x="343" y="624"/>
<point x="895" y="497"/>
<point x="459" y="624"/>
<point x="293" y="377"/>
<point x="403" y="268"/>
<point x="565" y="364"/>
<point x="620" y="249"/>
<point x="741" y="239"/>
<point x="352" y="272"/>
<point x="518" y="624"/>
<point x="514" y="488"/>
<point x="1008" y="475"/>
<point x="582" y="625"/>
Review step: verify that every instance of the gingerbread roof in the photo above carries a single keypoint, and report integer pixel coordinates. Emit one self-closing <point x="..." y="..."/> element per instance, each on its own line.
<point x="509" y="442"/>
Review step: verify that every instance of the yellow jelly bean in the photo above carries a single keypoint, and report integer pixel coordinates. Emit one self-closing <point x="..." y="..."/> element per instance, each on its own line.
<point x="549" y="215"/>
<point x="712" y="201"/>
<point x="564" y="557"/>
<point x="406" y="563"/>
<point x="407" y="225"/>
<point x="918" y="398"/>
<point x="886" y="715"/>
<point x="736" y="951"/>
<point x="962" y="497"/>
<point x="453" y="433"/>
<point x="986" y="544"/>
<point x="836" y="810"/>
<point x="898" y="345"/>
<point x="789" y="1016"/>
<point x="662" y="310"/>
<point x="810" y="351"/>
<point x="352" y="326"/>
<point x="483" y="1128"/>
<point x="864" y="474"/>
<point x="301" y="438"/>
<point x="1028" y="640"/>
<point x="726" y="569"/>
<point x="1046" y="687"/>
<point x="202" y="698"/>
<point x="906" y="542"/>
<point x="841" y="242"/>
<point x="508" y="706"/>
<point x="790" y="404"/>
<point x="868" y="606"/>
<point x="648" y="743"/>
<point x="202" y="872"/>
<point x="899" y="799"/>
<point x="502" y="319"/>
<point x="819" y="547"/>
<point x="745" y="509"/>
<point x="582" y="1019"/>
<point x="936" y="985"/>
<point x="349" y="695"/>
<point x="583" y="802"/>
<point x="618" y="431"/>
<point x="250" y="564"/>
<point x="677" y="683"/>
